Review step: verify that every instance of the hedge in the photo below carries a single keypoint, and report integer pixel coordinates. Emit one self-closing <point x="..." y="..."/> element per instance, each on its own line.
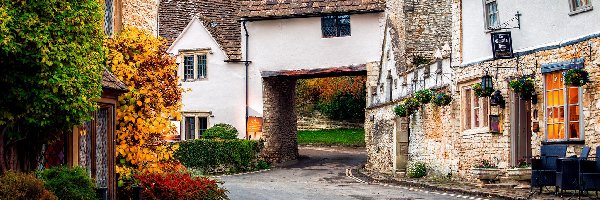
<point x="216" y="155"/>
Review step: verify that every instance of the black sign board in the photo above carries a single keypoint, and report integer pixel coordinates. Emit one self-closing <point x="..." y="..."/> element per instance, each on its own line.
<point x="502" y="45"/>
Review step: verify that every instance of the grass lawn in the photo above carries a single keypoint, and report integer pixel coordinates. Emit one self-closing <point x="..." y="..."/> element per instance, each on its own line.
<point x="341" y="137"/>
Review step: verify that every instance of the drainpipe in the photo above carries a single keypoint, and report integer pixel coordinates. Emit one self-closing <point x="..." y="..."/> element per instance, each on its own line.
<point x="247" y="63"/>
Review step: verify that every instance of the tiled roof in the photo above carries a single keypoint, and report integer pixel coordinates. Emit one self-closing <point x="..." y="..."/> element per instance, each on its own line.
<point x="220" y="17"/>
<point x="109" y="81"/>
<point x="269" y="9"/>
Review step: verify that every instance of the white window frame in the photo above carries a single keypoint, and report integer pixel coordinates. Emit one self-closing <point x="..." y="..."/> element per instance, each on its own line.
<point x="196" y="116"/>
<point x="487" y="15"/>
<point x="566" y="114"/>
<point x="195" y="67"/>
<point x="574" y="9"/>
<point x="483" y="112"/>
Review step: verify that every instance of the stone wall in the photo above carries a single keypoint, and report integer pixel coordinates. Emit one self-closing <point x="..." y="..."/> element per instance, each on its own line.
<point x="141" y="13"/>
<point x="317" y="121"/>
<point x="428" y="26"/>
<point x="279" y="125"/>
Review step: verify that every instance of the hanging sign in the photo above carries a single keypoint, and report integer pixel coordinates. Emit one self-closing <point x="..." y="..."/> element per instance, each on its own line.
<point x="502" y="45"/>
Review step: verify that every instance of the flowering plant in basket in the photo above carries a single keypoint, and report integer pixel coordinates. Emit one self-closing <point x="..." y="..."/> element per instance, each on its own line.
<point x="485" y="164"/>
<point x="400" y="110"/>
<point x="524" y="86"/>
<point x="576" y="77"/>
<point x="441" y="99"/>
<point x="424" y="96"/>
<point x="481" y="92"/>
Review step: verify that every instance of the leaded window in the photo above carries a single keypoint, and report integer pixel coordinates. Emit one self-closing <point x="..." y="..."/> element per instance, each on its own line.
<point x="578" y="6"/>
<point x="491" y="14"/>
<point x="188" y="67"/>
<point x="563" y="109"/>
<point x="335" y="25"/>
<point x="190" y="128"/>
<point x="201" y="66"/>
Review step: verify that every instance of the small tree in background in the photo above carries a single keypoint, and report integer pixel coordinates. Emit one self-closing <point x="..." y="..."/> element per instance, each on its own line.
<point x="51" y="57"/>
<point x="143" y="114"/>
<point x="342" y="98"/>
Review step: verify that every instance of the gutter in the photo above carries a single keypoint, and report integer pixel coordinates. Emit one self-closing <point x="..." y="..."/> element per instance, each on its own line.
<point x="247" y="63"/>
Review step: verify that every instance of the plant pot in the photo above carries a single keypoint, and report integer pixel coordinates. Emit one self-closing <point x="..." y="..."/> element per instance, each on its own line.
<point x="486" y="174"/>
<point x="519" y="174"/>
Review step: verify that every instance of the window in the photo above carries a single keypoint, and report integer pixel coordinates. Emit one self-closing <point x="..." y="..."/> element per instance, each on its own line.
<point x="562" y="109"/>
<point x="194" y="67"/>
<point x="108" y="17"/>
<point x="578" y="6"/>
<point x="491" y="15"/>
<point x="335" y="26"/>
<point x="195" y="125"/>
<point x="475" y="110"/>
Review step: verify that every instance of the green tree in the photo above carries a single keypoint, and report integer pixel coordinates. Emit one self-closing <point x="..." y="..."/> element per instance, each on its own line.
<point x="51" y="57"/>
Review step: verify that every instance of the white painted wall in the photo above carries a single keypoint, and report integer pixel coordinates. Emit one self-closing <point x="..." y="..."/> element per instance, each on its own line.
<point x="297" y="43"/>
<point x="543" y="23"/>
<point x="222" y="93"/>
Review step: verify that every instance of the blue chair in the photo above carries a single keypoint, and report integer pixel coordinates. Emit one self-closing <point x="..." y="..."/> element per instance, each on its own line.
<point x="543" y="168"/>
<point x="567" y="171"/>
<point x="589" y="173"/>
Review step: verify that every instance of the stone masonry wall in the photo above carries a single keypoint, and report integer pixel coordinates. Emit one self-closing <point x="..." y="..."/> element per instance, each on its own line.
<point x="141" y="13"/>
<point x="280" y="128"/>
<point x="317" y="121"/>
<point x="428" y="26"/>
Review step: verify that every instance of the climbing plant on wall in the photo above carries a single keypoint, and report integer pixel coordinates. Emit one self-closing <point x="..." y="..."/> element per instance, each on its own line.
<point x="143" y="116"/>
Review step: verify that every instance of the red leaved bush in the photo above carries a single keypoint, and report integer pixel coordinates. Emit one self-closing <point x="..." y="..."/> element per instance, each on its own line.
<point x="179" y="185"/>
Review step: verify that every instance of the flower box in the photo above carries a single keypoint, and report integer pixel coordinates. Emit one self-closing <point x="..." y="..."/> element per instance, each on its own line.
<point x="519" y="174"/>
<point x="486" y="174"/>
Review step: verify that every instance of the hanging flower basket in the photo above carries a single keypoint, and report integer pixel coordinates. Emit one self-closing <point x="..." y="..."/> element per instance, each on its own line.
<point x="424" y="96"/>
<point x="400" y="110"/>
<point x="482" y="92"/>
<point x="412" y="104"/>
<point x="524" y="86"/>
<point x="441" y="99"/>
<point x="576" y="77"/>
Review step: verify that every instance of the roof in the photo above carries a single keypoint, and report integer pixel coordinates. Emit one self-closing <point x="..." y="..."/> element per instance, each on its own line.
<point x="109" y="81"/>
<point x="220" y="17"/>
<point x="273" y="9"/>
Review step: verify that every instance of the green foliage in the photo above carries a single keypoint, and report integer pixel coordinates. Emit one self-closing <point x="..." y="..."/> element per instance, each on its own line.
<point x="480" y="92"/>
<point x="344" y="106"/>
<point x="424" y="96"/>
<point x="417" y="170"/>
<point x="342" y="137"/>
<point x="441" y="99"/>
<point x="219" y="156"/>
<point x="221" y="131"/>
<point x="51" y="57"/>
<point x="576" y="77"/>
<point x="261" y="164"/>
<point x="69" y="183"/>
<point x="400" y="110"/>
<point x="21" y="186"/>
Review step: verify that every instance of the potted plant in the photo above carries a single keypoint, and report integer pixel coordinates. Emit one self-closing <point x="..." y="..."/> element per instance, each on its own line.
<point x="424" y="96"/>
<point x="482" y="92"/>
<point x="441" y="99"/>
<point x="485" y="171"/>
<point x="524" y="86"/>
<point x="412" y="104"/>
<point x="576" y="77"/>
<point x="520" y="172"/>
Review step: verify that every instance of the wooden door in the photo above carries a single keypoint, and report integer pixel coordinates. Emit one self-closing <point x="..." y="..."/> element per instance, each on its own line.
<point x="520" y="129"/>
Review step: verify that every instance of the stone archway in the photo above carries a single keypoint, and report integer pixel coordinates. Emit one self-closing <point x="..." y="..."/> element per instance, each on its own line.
<point x="279" y="114"/>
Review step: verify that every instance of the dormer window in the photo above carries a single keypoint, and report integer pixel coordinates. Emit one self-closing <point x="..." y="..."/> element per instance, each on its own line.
<point x="335" y="26"/>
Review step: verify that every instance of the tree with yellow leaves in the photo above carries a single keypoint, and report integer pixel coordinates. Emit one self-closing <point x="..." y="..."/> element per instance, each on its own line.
<point x="143" y="114"/>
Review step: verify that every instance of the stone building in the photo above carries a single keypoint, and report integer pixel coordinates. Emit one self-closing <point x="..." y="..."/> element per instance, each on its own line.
<point x="451" y="139"/>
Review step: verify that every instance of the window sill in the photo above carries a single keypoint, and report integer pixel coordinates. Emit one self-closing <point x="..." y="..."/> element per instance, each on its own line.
<point x="193" y="80"/>
<point x="565" y="142"/>
<point x="581" y="10"/>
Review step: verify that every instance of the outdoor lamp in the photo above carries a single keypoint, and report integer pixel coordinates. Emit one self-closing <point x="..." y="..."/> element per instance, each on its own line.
<point x="497" y="99"/>
<point x="486" y="82"/>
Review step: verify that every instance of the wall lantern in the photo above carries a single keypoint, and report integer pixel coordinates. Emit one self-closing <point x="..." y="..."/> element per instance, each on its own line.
<point x="497" y="100"/>
<point x="486" y="83"/>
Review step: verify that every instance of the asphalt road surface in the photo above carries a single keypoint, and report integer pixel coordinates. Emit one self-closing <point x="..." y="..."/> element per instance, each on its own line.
<point x="320" y="173"/>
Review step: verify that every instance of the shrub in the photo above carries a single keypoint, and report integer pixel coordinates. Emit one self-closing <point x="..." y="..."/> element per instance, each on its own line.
<point x="68" y="183"/>
<point x="417" y="170"/>
<point x="400" y="110"/>
<point x="343" y="106"/>
<point x="179" y="185"/>
<point x="222" y="131"/>
<point x="219" y="156"/>
<point x="21" y="186"/>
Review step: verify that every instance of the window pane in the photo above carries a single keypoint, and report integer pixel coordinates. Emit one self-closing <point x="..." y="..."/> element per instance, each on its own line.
<point x="551" y="133"/>
<point x="328" y="26"/>
<point x="560" y="114"/>
<point x="476" y="117"/>
<point x="573" y="113"/>
<point x="344" y="25"/>
<point x="467" y="110"/>
<point x="574" y="130"/>
<point x="561" y="131"/>
<point x="548" y="82"/>
<point x="188" y="66"/>
<point x="201" y="66"/>
<point x="485" y="111"/>
<point x="555" y="81"/>
<point x="190" y="128"/>
<point x="573" y="95"/>
<point x="560" y="97"/>
<point x="203" y="124"/>
<point x="550" y="115"/>
<point x="550" y="98"/>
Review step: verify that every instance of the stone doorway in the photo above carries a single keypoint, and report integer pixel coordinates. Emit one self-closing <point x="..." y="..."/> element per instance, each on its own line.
<point x="279" y="114"/>
<point x="520" y="129"/>
<point x="401" y="136"/>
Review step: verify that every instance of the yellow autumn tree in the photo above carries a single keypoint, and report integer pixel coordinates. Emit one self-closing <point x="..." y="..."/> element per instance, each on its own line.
<point x="139" y="59"/>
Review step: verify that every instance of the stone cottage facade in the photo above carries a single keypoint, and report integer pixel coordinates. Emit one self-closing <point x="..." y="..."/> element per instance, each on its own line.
<point x="451" y="139"/>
